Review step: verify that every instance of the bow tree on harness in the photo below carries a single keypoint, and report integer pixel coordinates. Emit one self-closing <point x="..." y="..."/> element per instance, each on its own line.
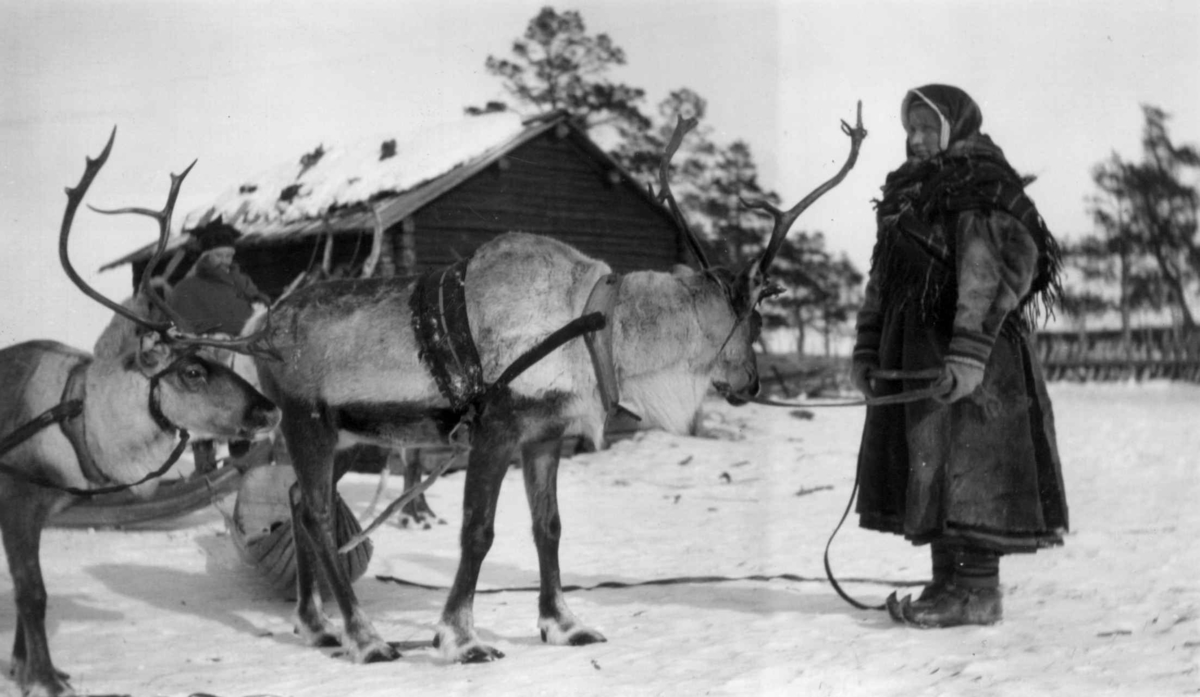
<point x="406" y="361"/>
<point x="77" y="425"/>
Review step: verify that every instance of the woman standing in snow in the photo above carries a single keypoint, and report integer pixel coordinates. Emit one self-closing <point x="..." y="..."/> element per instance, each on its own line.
<point x="962" y="268"/>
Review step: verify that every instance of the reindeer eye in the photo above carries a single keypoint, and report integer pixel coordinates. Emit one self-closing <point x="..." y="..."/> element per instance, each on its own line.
<point x="193" y="373"/>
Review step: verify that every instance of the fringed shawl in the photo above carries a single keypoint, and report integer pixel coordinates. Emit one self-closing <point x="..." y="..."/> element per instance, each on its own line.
<point x="915" y="249"/>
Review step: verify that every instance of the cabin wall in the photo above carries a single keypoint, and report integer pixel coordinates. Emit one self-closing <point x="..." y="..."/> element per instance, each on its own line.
<point x="549" y="186"/>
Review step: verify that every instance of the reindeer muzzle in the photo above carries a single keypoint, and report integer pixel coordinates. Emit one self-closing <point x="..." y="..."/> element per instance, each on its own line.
<point x="738" y="396"/>
<point x="261" y="417"/>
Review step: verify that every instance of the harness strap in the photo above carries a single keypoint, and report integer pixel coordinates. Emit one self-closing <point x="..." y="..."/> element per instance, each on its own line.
<point x="439" y="312"/>
<point x="447" y="348"/>
<point x="603" y="299"/>
<point x="88" y="493"/>
<point x="58" y="412"/>
<point x="587" y="325"/>
<point x="74" y="427"/>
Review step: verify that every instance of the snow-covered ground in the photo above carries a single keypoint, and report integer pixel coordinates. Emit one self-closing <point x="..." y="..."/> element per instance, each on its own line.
<point x="172" y="611"/>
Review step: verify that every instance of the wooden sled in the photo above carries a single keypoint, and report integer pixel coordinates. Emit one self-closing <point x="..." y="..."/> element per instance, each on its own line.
<point x="261" y="528"/>
<point x="172" y="499"/>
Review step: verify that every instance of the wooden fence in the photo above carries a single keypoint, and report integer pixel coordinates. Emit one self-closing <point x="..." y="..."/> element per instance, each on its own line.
<point x="1162" y="353"/>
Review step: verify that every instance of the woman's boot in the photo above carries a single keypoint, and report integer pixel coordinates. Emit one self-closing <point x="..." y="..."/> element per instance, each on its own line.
<point x="972" y="597"/>
<point x="942" y="557"/>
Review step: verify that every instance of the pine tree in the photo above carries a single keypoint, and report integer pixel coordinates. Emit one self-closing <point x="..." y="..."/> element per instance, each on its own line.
<point x="558" y="65"/>
<point x="1146" y="239"/>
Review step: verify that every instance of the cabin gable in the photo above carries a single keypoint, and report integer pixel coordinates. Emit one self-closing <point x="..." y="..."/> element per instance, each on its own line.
<point x="549" y="180"/>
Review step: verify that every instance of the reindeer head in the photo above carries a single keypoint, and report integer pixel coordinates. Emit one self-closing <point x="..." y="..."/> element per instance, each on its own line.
<point x="197" y="393"/>
<point x="189" y="388"/>
<point x="735" y="371"/>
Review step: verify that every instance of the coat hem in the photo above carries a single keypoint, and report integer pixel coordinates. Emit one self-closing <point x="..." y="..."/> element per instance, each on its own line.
<point x="1003" y="542"/>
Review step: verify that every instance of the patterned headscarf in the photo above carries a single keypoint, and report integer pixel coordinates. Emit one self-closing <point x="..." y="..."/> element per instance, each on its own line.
<point x="915" y="247"/>
<point x="959" y="114"/>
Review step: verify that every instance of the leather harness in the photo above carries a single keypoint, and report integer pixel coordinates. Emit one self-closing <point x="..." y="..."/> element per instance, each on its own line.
<point x="603" y="299"/>
<point x="75" y="428"/>
<point x="447" y="348"/>
<point x="439" y="317"/>
<point x="67" y="413"/>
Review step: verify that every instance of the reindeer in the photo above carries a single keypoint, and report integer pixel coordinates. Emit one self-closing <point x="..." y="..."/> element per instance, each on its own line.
<point x="394" y="360"/>
<point x="135" y="404"/>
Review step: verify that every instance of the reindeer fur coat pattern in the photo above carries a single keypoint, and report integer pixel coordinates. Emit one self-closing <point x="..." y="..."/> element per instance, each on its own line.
<point x="514" y="296"/>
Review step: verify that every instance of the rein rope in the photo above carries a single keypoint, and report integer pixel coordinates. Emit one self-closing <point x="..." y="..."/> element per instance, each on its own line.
<point x="672" y="581"/>
<point x="907" y="396"/>
<point x="903" y="397"/>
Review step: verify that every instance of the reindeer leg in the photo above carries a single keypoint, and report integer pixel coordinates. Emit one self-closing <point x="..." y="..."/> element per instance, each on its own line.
<point x="311" y="620"/>
<point x="316" y="526"/>
<point x="302" y="428"/>
<point x="23" y="514"/>
<point x="417" y="510"/>
<point x="311" y="440"/>
<point x="491" y="451"/>
<point x="557" y="623"/>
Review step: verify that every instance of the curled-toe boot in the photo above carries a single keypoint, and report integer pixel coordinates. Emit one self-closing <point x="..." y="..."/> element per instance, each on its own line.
<point x="957" y="606"/>
<point x="972" y="597"/>
<point x="943" y="558"/>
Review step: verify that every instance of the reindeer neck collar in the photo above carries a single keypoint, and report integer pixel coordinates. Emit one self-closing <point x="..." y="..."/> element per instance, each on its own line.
<point x="75" y="427"/>
<point x="603" y="299"/>
<point x="155" y="407"/>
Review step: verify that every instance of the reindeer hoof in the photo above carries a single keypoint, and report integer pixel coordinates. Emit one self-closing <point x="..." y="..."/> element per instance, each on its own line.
<point x="380" y="652"/>
<point x="572" y="635"/>
<point x="480" y="653"/>
<point x="320" y="634"/>
<point x="463" y="646"/>
<point x="325" y="640"/>
<point x="52" y="688"/>
<point x="586" y="636"/>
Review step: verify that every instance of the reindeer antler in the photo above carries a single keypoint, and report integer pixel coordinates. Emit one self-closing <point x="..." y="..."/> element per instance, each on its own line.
<point x="682" y="126"/>
<point x="256" y="344"/>
<point x="74" y="197"/>
<point x="163" y="218"/>
<point x="168" y="330"/>
<point x="784" y="220"/>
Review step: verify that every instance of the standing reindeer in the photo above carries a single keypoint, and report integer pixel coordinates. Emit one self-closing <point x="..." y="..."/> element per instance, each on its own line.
<point x="136" y="403"/>
<point x="392" y="360"/>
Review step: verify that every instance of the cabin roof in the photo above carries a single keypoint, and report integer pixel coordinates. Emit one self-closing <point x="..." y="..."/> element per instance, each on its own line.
<point x="381" y="180"/>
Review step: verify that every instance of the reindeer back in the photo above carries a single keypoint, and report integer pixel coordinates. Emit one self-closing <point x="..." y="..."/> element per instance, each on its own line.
<point x="519" y="289"/>
<point x="33" y="375"/>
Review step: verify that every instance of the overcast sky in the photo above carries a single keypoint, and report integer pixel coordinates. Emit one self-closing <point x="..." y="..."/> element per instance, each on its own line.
<point x="244" y="85"/>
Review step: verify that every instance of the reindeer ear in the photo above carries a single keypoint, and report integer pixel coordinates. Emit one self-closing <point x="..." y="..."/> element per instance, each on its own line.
<point x="153" y="353"/>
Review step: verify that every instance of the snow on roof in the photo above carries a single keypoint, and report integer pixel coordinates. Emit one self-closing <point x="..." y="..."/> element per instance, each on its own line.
<point x="331" y="176"/>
